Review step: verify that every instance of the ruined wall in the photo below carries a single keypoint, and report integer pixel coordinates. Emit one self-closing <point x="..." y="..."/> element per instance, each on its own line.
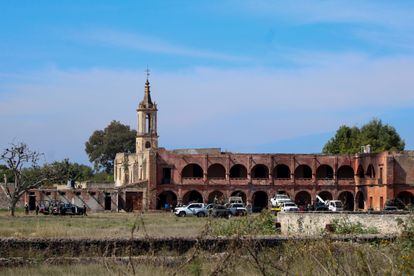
<point x="404" y="168"/>
<point x="315" y="223"/>
<point x="95" y="200"/>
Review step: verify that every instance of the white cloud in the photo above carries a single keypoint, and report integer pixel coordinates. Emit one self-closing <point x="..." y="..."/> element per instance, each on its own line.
<point x="150" y="44"/>
<point x="57" y="110"/>
<point x="385" y="13"/>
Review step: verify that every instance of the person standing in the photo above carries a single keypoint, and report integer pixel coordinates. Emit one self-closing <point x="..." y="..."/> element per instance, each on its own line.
<point x="37" y="209"/>
<point x="26" y="209"/>
<point x="84" y="210"/>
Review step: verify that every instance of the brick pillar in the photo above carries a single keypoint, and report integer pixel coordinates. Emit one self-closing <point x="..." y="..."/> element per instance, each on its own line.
<point x="249" y="170"/>
<point x="271" y="178"/>
<point x="314" y="169"/>
<point x="205" y="165"/>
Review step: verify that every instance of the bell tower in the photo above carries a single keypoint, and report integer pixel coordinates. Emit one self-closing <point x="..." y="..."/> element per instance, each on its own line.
<point x="147" y="137"/>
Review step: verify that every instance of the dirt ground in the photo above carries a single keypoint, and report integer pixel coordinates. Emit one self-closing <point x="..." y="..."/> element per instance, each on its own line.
<point x="100" y="225"/>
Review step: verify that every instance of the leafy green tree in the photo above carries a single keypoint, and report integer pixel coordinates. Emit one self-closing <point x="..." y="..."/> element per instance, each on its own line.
<point x="103" y="145"/>
<point x="5" y="172"/>
<point x="381" y="137"/>
<point x="348" y="140"/>
<point x="71" y="171"/>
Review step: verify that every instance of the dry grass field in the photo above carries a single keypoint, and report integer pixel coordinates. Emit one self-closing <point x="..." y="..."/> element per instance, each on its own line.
<point x="306" y="257"/>
<point x="99" y="225"/>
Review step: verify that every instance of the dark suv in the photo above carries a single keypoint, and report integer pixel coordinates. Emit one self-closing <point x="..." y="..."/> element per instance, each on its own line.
<point x="67" y="209"/>
<point x="219" y="211"/>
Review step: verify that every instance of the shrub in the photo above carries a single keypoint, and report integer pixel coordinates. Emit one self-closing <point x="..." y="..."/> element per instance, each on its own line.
<point x="262" y="224"/>
<point x="345" y="226"/>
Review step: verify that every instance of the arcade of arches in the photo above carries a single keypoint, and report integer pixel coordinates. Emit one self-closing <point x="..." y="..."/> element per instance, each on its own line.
<point x="259" y="200"/>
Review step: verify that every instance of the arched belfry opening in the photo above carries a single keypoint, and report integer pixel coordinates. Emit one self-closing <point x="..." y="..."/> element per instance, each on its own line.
<point x="148" y="123"/>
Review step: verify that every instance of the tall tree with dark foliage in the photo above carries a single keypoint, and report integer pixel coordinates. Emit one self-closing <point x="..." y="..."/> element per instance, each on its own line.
<point x="103" y="145"/>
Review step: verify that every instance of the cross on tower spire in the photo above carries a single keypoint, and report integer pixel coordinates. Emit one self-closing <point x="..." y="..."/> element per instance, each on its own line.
<point x="147" y="71"/>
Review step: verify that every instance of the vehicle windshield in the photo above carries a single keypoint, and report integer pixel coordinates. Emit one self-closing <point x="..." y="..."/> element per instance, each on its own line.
<point x="290" y="205"/>
<point x="338" y="204"/>
<point x="238" y="205"/>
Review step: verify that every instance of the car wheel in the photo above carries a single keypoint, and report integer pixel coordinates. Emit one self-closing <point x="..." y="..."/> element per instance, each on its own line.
<point x="201" y="214"/>
<point x="182" y="214"/>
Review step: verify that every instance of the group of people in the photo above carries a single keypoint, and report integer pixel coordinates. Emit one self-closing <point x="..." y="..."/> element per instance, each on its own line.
<point x="27" y="209"/>
<point x="49" y="209"/>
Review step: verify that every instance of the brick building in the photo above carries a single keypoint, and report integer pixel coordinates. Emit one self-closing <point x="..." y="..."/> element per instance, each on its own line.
<point x="360" y="181"/>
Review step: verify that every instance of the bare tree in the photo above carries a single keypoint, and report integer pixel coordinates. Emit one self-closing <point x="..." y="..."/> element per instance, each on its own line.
<point x="23" y="164"/>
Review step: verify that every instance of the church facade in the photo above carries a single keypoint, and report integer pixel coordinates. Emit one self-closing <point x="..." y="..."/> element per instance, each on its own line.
<point x="170" y="177"/>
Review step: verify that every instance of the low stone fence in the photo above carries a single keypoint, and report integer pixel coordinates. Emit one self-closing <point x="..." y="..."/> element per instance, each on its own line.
<point x="53" y="247"/>
<point x="314" y="223"/>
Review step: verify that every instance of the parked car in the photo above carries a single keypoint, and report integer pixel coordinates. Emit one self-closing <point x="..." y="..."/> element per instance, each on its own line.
<point x="319" y="207"/>
<point x="395" y="203"/>
<point x="45" y="207"/>
<point x="279" y="199"/>
<point x="67" y="209"/>
<point x="193" y="209"/>
<point x="235" y="199"/>
<point x="335" y="205"/>
<point x="289" y="206"/>
<point x="390" y="208"/>
<point x="219" y="211"/>
<point x="237" y="209"/>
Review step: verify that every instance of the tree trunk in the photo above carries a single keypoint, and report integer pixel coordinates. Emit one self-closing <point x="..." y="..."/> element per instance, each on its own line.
<point x="12" y="207"/>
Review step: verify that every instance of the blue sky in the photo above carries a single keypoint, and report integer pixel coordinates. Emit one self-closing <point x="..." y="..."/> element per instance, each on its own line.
<point x="248" y="76"/>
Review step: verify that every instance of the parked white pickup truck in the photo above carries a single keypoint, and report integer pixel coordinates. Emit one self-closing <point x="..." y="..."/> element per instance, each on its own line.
<point x="193" y="209"/>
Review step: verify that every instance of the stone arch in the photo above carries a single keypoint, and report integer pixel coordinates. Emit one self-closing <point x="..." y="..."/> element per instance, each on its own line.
<point x="324" y="172"/>
<point x="260" y="171"/>
<point x="192" y="171"/>
<point x="216" y="171"/>
<point x="240" y="194"/>
<point x="281" y="171"/>
<point x="360" y="172"/>
<point x="216" y="197"/>
<point x="192" y="196"/>
<point x="260" y="201"/>
<point x="303" y="198"/>
<point x="164" y="198"/>
<point x="303" y="172"/>
<point x="346" y="172"/>
<point x="406" y="197"/>
<point x="347" y="199"/>
<point x="360" y="200"/>
<point x="370" y="171"/>
<point x="238" y="171"/>
<point x="325" y="195"/>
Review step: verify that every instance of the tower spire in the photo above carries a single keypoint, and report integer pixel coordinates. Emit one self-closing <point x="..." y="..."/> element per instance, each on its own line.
<point x="147" y="102"/>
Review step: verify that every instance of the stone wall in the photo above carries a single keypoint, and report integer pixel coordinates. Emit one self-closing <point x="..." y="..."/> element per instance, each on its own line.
<point x="315" y="223"/>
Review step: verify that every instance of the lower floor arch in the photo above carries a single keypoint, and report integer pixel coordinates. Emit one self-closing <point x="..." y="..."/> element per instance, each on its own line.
<point x="406" y="198"/>
<point x="240" y="194"/>
<point x="216" y="197"/>
<point x="166" y="200"/>
<point x="347" y="199"/>
<point x="192" y="197"/>
<point x="259" y="201"/>
<point x="303" y="199"/>
<point x="325" y="195"/>
<point x="360" y="200"/>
